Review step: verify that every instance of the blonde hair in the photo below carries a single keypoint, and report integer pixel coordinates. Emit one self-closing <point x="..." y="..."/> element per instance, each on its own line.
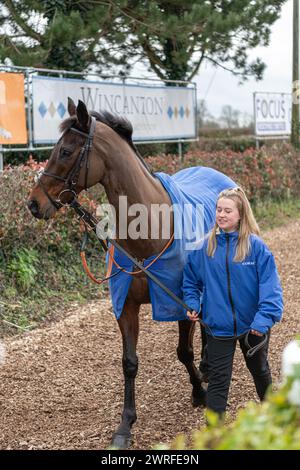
<point x="247" y="224"/>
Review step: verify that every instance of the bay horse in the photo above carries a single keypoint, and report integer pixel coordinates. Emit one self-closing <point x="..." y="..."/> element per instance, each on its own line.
<point x="97" y="148"/>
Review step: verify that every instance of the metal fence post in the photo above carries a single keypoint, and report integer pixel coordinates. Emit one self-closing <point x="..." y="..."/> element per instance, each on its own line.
<point x="180" y="152"/>
<point x="1" y="159"/>
<point x="29" y="114"/>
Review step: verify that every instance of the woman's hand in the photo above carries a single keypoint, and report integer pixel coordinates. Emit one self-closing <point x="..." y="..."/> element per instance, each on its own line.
<point x="192" y="316"/>
<point x="256" y="333"/>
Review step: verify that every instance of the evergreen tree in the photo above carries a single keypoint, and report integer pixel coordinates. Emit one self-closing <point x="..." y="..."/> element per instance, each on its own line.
<point x="176" y="36"/>
<point x="173" y="36"/>
<point x="60" y="34"/>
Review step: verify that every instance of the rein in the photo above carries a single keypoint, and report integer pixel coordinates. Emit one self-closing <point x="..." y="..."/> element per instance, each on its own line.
<point x="133" y="273"/>
<point x="70" y="181"/>
<point x="120" y="268"/>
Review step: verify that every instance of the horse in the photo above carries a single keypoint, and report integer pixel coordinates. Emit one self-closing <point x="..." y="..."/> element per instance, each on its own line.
<point x="98" y="148"/>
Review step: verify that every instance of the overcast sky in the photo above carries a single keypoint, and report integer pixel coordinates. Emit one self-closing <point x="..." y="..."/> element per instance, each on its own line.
<point x="219" y="87"/>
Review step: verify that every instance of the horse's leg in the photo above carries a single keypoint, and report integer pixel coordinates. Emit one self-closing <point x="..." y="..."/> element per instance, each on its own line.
<point x="129" y="326"/>
<point x="185" y="354"/>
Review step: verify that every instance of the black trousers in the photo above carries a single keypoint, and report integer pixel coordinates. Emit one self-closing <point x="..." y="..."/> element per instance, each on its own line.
<point x="203" y="366"/>
<point x="219" y="361"/>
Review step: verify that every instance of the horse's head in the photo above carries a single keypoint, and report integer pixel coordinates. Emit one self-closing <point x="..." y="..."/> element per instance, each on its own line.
<point x="71" y="166"/>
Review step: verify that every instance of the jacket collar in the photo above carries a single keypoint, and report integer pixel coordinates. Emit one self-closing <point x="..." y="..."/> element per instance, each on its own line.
<point x="224" y="235"/>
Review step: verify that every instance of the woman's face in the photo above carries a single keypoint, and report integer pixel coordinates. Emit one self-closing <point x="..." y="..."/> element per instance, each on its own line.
<point x="227" y="215"/>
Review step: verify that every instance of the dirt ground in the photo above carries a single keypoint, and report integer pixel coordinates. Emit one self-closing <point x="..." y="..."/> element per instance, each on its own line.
<point x="61" y="387"/>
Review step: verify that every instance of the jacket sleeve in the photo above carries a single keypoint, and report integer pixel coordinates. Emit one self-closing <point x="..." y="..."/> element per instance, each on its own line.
<point x="270" y="305"/>
<point x="192" y="281"/>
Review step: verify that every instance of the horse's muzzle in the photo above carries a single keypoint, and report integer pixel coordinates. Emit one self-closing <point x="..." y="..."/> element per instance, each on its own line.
<point x="33" y="206"/>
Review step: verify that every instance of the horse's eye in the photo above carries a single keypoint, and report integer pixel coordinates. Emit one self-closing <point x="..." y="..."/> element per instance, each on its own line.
<point x="38" y="175"/>
<point x="65" y="153"/>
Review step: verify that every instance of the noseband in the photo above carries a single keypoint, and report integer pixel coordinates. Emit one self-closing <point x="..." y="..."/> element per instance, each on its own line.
<point x="70" y="181"/>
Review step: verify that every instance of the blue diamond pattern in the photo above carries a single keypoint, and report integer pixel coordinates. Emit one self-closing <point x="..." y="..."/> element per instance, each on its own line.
<point x="42" y="109"/>
<point x="170" y="112"/>
<point x="181" y="111"/>
<point x="61" y="110"/>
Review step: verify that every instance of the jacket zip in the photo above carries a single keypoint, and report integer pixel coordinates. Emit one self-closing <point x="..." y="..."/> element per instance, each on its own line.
<point x="228" y="286"/>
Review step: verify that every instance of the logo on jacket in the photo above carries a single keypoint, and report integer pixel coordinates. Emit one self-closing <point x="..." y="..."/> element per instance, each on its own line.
<point x="248" y="263"/>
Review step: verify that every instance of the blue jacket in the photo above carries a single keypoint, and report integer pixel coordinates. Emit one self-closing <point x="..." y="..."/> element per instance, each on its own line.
<point x="235" y="296"/>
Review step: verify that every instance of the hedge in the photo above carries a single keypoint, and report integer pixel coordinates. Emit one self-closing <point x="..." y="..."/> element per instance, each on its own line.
<point x="39" y="260"/>
<point x="270" y="172"/>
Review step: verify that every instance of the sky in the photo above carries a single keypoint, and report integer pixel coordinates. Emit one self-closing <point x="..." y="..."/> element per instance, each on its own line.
<point x="219" y="87"/>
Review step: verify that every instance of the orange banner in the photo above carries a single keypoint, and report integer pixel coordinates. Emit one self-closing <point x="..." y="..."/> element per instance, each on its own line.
<point x="12" y="109"/>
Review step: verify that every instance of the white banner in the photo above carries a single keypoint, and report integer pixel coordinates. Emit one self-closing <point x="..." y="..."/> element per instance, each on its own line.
<point x="272" y="113"/>
<point x="156" y="112"/>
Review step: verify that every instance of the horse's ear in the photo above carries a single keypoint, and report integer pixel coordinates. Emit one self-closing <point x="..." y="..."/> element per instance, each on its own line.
<point x="82" y="114"/>
<point x="71" y="107"/>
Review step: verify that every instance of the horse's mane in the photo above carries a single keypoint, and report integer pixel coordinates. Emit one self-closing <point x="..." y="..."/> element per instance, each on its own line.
<point x="120" y="125"/>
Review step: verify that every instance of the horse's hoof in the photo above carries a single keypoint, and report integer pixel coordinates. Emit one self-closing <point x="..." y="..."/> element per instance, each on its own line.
<point x="199" y="399"/>
<point x="121" y="441"/>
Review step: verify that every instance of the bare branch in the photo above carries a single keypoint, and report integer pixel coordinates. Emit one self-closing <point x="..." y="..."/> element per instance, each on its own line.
<point x="234" y="72"/>
<point x="197" y="66"/>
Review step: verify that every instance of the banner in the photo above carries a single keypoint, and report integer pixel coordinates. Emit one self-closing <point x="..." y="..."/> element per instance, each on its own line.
<point x="156" y="112"/>
<point x="272" y="113"/>
<point x="12" y="109"/>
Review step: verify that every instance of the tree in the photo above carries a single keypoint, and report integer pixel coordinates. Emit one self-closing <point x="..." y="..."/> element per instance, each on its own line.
<point x="176" y="36"/>
<point x="203" y="114"/>
<point x="173" y="36"/>
<point x="52" y="33"/>
<point x="230" y="116"/>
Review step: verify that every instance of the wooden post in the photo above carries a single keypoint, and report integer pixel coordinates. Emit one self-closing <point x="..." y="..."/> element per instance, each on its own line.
<point x="295" y="90"/>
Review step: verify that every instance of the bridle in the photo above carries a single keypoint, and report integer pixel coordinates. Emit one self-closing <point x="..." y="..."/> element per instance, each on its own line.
<point x="70" y="181"/>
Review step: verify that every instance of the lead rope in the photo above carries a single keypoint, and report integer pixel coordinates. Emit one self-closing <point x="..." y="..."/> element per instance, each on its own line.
<point x="89" y="220"/>
<point x="252" y="350"/>
<point x="120" y="268"/>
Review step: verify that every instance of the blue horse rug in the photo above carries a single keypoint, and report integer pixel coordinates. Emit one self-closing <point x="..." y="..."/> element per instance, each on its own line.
<point x="193" y="192"/>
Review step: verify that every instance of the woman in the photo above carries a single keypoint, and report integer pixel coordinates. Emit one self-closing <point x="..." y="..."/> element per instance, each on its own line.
<point x="234" y="277"/>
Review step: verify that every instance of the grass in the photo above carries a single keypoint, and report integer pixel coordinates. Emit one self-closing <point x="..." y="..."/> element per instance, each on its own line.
<point x="270" y="214"/>
<point x="57" y="283"/>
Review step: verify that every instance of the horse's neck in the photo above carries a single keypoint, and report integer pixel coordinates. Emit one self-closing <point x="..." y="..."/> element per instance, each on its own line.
<point x="126" y="176"/>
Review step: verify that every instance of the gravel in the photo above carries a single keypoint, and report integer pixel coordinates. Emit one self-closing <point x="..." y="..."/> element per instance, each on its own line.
<point x="61" y="387"/>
